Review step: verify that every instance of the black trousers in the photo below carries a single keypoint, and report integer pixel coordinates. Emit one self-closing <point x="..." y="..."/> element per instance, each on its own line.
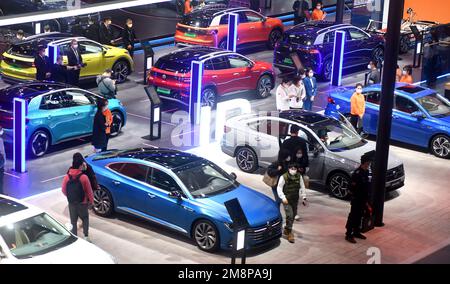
<point x="2" y="173"/>
<point x="354" y="119"/>
<point x="81" y="211"/>
<point x="73" y="77"/>
<point x="298" y="20"/>
<point x="353" y="225"/>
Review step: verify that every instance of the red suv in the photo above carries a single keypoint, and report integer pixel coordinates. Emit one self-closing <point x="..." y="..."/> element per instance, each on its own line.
<point x="225" y="73"/>
<point x="209" y="27"/>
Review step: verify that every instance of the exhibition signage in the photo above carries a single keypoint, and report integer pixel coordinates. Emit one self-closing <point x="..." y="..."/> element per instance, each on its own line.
<point x="338" y="58"/>
<point x="239" y="225"/>
<point x="19" y="139"/>
<point x="155" y="113"/>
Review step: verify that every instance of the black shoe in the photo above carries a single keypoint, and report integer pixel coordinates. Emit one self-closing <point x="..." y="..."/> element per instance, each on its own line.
<point x="350" y="239"/>
<point x="359" y="236"/>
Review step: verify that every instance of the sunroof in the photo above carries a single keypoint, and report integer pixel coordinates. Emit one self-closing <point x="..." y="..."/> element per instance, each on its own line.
<point x="411" y="89"/>
<point x="8" y="207"/>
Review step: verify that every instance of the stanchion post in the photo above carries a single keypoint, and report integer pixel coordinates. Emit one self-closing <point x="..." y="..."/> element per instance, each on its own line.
<point x="19" y="138"/>
<point x="195" y="91"/>
<point x="338" y="58"/>
<point x="232" y="31"/>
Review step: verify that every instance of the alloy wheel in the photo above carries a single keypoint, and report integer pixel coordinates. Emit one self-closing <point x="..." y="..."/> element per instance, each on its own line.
<point x="327" y="70"/>
<point x="121" y="71"/>
<point x="209" y="98"/>
<point x="274" y="37"/>
<point x="264" y="87"/>
<point x="102" y="202"/>
<point x="39" y="143"/>
<point x="404" y="44"/>
<point x="441" y="146"/>
<point x="378" y="55"/>
<point x="223" y="44"/>
<point x="117" y="124"/>
<point x="205" y="236"/>
<point x="246" y="160"/>
<point x="339" y="186"/>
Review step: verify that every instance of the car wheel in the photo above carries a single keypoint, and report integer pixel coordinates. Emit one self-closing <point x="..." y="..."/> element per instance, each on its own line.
<point x="223" y="44"/>
<point x="404" y="44"/>
<point x="440" y="146"/>
<point x="39" y="143"/>
<point x="247" y="160"/>
<point x="338" y="185"/>
<point x="327" y="69"/>
<point x="117" y="124"/>
<point x="274" y="37"/>
<point x="206" y="236"/>
<point x="121" y="71"/>
<point x="103" y="202"/>
<point x="378" y="55"/>
<point x="265" y="85"/>
<point x="209" y="97"/>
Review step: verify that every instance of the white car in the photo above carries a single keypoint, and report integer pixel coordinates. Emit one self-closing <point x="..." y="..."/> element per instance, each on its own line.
<point x="28" y="235"/>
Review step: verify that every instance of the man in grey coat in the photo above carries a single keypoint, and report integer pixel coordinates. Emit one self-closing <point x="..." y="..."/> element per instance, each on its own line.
<point x="106" y="85"/>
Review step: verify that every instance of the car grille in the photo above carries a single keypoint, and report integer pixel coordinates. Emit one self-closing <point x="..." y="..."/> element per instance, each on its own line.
<point x="395" y="173"/>
<point x="265" y="233"/>
<point x="17" y="63"/>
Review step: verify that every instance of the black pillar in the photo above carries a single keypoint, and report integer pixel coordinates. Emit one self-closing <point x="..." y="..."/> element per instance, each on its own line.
<point x="386" y="105"/>
<point x="340" y="8"/>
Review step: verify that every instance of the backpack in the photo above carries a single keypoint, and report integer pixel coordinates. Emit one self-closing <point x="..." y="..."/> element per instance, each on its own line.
<point x="74" y="190"/>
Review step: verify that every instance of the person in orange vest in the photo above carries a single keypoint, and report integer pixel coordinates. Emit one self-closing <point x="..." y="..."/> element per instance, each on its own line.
<point x="187" y="7"/>
<point x="109" y="120"/>
<point x="407" y="75"/>
<point x="318" y="14"/>
<point x="357" y="107"/>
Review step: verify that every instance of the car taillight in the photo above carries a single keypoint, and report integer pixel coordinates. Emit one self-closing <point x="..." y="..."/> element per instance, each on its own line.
<point x="184" y="79"/>
<point x="313" y="51"/>
<point x="213" y="32"/>
<point x="226" y="129"/>
<point x="331" y="100"/>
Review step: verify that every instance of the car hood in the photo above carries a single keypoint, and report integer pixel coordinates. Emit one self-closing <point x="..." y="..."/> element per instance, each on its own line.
<point x="258" y="208"/>
<point x="356" y="153"/>
<point x="79" y="252"/>
<point x="444" y="121"/>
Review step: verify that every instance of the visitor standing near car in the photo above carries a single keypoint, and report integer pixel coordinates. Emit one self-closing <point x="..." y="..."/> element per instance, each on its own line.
<point x="2" y="160"/>
<point x="106" y="85"/>
<point x="105" y="34"/>
<point x="47" y="29"/>
<point x="290" y="189"/>
<point x="42" y="64"/>
<point x="254" y="5"/>
<point x="99" y="136"/>
<point x="276" y="170"/>
<point x="357" y="108"/>
<point x="74" y="63"/>
<point x="88" y="171"/>
<point x="20" y="36"/>
<point x="310" y="84"/>
<point x="295" y="142"/>
<point x="297" y="89"/>
<point x="77" y="188"/>
<point x="59" y="71"/>
<point x="359" y="193"/>
<point x="374" y="76"/>
<point x="407" y="75"/>
<point x="187" y="7"/>
<point x="283" y="96"/>
<point x="318" y="14"/>
<point x="129" y="37"/>
<point x="92" y="30"/>
<point x="301" y="11"/>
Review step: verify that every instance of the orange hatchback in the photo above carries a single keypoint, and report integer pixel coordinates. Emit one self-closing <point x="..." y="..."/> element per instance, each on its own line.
<point x="209" y="27"/>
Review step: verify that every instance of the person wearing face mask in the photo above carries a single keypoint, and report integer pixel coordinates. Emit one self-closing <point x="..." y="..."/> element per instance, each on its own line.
<point x="129" y="37"/>
<point x="283" y="95"/>
<point x="374" y="76"/>
<point x="277" y="169"/>
<point x="99" y="135"/>
<point x="105" y="34"/>
<point x="357" y="108"/>
<point x="74" y="63"/>
<point x="318" y="14"/>
<point x="92" y="30"/>
<point x="359" y="192"/>
<point x="407" y="75"/>
<point x="297" y="89"/>
<point x="310" y="84"/>
<point x="290" y="189"/>
<point x="78" y="190"/>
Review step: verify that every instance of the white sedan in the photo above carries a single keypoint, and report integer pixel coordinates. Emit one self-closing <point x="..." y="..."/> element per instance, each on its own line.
<point x="29" y="235"/>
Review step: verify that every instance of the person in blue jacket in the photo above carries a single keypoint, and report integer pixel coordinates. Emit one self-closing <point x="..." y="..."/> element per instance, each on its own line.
<point x="310" y="84"/>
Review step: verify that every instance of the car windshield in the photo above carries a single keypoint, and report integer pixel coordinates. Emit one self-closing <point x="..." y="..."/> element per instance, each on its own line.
<point x="337" y="136"/>
<point x="35" y="236"/>
<point x="435" y="104"/>
<point x="205" y="179"/>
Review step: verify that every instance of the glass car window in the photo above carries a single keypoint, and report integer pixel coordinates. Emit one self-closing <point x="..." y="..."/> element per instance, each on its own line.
<point x="78" y="98"/>
<point x="242" y="18"/>
<point x="356" y="34"/>
<point x="435" y="104"/>
<point x="209" y="65"/>
<point x="253" y="17"/>
<point x="337" y="136"/>
<point x="329" y="37"/>
<point x="164" y="181"/>
<point x="90" y="48"/>
<point x="405" y="105"/>
<point x="238" y="62"/>
<point x="220" y="63"/>
<point x="50" y="102"/>
<point x="224" y="20"/>
<point x="116" y="167"/>
<point x="135" y="171"/>
<point x="373" y="97"/>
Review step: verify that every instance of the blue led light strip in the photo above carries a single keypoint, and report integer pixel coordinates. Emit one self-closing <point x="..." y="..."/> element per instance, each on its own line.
<point x="19" y="141"/>
<point x="195" y="95"/>
<point x="338" y="58"/>
<point x="232" y="31"/>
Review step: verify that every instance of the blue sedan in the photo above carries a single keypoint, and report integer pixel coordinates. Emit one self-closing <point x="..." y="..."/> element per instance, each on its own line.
<point x="420" y="116"/>
<point x="183" y="192"/>
<point x="56" y="113"/>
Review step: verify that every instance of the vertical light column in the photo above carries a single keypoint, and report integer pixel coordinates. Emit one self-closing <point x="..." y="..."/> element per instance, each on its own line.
<point x="338" y="58"/>
<point x="232" y="31"/>
<point x="195" y="95"/>
<point x="19" y="138"/>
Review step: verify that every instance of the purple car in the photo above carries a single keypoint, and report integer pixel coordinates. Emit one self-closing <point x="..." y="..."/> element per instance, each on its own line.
<point x="313" y="43"/>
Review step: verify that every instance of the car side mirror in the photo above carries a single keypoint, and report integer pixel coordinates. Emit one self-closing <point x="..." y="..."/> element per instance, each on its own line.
<point x="233" y="176"/>
<point x="418" y="115"/>
<point x="264" y="20"/>
<point x="175" y="194"/>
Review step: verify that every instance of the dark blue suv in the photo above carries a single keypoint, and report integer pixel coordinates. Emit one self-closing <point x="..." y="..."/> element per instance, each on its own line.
<point x="313" y="43"/>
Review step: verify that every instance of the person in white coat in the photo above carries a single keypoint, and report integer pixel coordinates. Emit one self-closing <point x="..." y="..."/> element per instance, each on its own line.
<point x="283" y="96"/>
<point x="297" y="90"/>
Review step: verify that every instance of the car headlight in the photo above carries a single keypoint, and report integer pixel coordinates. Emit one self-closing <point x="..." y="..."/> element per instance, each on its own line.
<point x="229" y="226"/>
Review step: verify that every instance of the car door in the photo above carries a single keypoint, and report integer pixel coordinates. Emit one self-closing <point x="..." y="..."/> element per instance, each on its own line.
<point x="264" y="139"/>
<point x="256" y="27"/>
<point x="241" y="70"/>
<point x="129" y="187"/>
<point x="359" y="52"/>
<point x="222" y="76"/>
<point x="92" y="54"/>
<point x="83" y="110"/>
<point x="177" y="212"/>
<point x="405" y="127"/>
<point x="370" y="119"/>
<point x="244" y="29"/>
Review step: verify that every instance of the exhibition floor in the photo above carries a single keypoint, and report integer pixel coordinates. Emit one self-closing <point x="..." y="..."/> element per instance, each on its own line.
<point x="417" y="221"/>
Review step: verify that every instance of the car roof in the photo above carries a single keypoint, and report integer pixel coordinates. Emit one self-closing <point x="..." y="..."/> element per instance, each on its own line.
<point x="194" y="53"/>
<point x="408" y="90"/>
<point x="308" y="118"/>
<point x="30" y="90"/>
<point x="13" y="210"/>
<point x="316" y="27"/>
<point x="168" y="158"/>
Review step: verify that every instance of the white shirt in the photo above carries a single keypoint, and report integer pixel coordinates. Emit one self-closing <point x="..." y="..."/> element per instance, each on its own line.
<point x="281" y="183"/>
<point x="300" y="94"/>
<point x="282" y="98"/>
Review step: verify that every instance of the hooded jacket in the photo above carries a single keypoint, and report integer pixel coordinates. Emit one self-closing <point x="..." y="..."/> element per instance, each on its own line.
<point x="88" y="194"/>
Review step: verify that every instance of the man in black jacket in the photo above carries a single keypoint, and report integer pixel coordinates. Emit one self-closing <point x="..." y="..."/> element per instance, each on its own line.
<point x="129" y="37"/>
<point x="301" y="11"/>
<point x="293" y="144"/>
<point x="92" y="31"/>
<point x="74" y="63"/>
<point x="42" y="64"/>
<point x="59" y="71"/>
<point x="105" y="35"/>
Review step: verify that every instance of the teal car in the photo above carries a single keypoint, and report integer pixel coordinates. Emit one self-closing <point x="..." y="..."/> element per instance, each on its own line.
<point x="56" y="113"/>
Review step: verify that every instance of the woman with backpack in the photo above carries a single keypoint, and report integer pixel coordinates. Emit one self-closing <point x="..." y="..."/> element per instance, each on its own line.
<point x="77" y="188"/>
